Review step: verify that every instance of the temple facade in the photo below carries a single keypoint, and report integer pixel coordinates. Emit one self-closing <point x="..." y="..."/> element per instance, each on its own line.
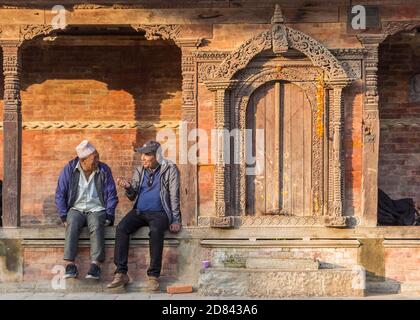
<point x="337" y="108"/>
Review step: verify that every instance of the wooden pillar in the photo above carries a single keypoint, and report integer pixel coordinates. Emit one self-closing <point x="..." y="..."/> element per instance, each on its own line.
<point x="188" y="166"/>
<point x="335" y="216"/>
<point x="12" y="133"/>
<point x="222" y="184"/>
<point x="370" y="130"/>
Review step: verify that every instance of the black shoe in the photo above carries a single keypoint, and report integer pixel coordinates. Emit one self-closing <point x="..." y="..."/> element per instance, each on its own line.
<point x="71" y="271"/>
<point x="94" y="272"/>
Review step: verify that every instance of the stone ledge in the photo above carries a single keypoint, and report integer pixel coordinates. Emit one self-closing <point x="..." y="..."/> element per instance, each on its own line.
<point x="281" y="284"/>
<point x="246" y="233"/>
<point x="86" y="243"/>
<point x="333" y="243"/>
<point x="401" y="243"/>
<point x="78" y="285"/>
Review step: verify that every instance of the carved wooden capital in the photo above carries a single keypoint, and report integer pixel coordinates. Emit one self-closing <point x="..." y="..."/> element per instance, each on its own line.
<point x="339" y="82"/>
<point x="11" y="71"/>
<point x="369" y="40"/>
<point x="216" y="85"/>
<point x="188" y="43"/>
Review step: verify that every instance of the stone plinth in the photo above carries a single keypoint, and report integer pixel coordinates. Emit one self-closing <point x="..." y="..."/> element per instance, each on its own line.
<point x="273" y="283"/>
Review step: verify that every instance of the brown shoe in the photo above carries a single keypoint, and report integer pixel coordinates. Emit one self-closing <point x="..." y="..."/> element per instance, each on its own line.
<point x="120" y="280"/>
<point x="153" y="284"/>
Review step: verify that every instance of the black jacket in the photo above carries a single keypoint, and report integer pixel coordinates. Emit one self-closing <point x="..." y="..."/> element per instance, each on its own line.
<point x="400" y="212"/>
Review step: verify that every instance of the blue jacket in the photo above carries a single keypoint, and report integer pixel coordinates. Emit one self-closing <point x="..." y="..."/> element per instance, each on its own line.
<point x="68" y="184"/>
<point x="169" y="189"/>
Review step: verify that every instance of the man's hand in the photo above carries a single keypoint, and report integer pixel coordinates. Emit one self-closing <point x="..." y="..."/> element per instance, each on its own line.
<point x="174" y="227"/>
<point x="123" y="182"/>
<point x="65" y="224"/>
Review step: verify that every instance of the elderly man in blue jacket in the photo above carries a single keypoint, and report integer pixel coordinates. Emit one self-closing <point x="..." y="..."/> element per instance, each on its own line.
<point x="86" y="195"/>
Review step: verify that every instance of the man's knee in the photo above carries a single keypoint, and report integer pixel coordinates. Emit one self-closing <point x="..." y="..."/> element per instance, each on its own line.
<point x="75" y="223"/>
<point x="156" y="233"/>
<point x="96" y="226"/>
<point x="96" y="223"/>
<point x="123" y="227"/>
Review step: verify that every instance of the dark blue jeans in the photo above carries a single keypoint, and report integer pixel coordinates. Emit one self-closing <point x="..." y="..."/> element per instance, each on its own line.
<point x="158" y="223"/>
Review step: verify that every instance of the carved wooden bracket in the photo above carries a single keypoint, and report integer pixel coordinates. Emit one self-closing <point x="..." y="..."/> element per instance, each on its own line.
<point x="393" y="27"/>
<point x="159" y="31"/>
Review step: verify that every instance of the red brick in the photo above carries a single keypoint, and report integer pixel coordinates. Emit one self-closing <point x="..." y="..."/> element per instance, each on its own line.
<point x="180" y="288"/>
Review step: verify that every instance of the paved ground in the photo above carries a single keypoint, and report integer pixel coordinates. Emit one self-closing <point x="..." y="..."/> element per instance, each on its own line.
<point x="164" y="296"/>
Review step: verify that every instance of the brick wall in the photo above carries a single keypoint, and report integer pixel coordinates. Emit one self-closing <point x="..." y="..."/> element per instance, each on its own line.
<point x="206" y="167"/>
<point x="353" y="148"/>
<point x="62" y="83"/>
<point x="399" y="157"/>
<point x="38" y="262"/>
<point x="402" y="264"/>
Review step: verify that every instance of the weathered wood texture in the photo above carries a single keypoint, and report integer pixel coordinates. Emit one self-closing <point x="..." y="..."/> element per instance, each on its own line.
<point x="283" y="161"/>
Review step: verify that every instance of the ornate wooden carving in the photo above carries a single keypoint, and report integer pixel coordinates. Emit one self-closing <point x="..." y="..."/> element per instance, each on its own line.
<point x="222" y="222"/>
<point x="189" y="185"/>
<point x="335" y="207"/>
<point x="222" y="170"/>
<point x="12" y="133"/>
<point x="159" y="31"/>
<point x="278" y="221"/>
<point x="248" y="81"/>
<point x="315" y="51"/>
<point x="278" y="38"/>
<point x="393" y="27"/>
<point x="30" y="31"/>
<point x="54" y="125"/>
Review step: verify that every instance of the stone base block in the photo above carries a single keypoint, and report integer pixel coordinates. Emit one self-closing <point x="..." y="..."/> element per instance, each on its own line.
<point x="272" y="283"/>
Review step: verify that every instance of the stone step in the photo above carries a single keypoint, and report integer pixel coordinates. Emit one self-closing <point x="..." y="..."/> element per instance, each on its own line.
<point x="80" y="285"/>
<point x="282" y="264"/>
<point x="272" y="283"/>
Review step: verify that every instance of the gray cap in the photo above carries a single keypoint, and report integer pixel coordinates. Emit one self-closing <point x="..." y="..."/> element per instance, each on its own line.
<point x="149" y="146"/>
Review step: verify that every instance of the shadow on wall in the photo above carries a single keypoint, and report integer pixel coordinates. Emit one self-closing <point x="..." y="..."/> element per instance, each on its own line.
<point x="11" y="264"/>
<point x="374" y="282"/>
<point x="153" y="81"/>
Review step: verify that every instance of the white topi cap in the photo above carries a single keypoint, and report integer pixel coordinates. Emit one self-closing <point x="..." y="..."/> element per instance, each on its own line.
<point x="84" y="149"/>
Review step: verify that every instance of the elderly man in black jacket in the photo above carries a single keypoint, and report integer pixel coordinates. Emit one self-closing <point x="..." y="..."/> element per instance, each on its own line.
<point x="154" y="189"/>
